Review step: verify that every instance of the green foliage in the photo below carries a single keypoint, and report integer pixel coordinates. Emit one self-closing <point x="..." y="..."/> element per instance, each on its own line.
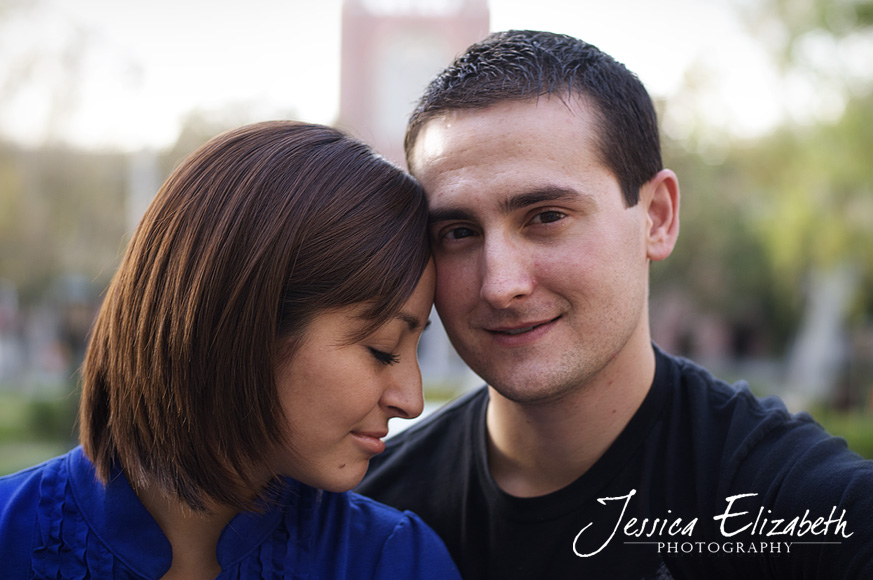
<point x="34" y="429"/>
<point x="17" y="456"/>
<point x="855" y="427"/>
<point x="786" y="24"/>
<point x="721" y="263"/>
<point x="815" y="182"/>
<point x="37" y="419"/>
<point x="51" y="419"/>
<point x="757" y="221"/>
<point x="815" y="187"/>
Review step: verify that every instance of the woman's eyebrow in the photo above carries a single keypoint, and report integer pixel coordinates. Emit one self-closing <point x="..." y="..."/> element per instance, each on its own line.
<point x="411" y="321"/>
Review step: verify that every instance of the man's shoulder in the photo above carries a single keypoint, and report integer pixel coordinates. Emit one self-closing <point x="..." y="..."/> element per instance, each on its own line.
<point x="730" y="421"/>
<point x="701" y="392"/>
<point x="443" y="424"/>
<point x="784" y="457"/>
<point x="438" y="446"/>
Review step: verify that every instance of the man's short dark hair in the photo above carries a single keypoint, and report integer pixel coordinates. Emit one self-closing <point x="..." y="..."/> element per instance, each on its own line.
<point x="526" y="64"/>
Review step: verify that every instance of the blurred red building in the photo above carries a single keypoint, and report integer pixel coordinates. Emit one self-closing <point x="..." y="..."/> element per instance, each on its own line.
<point x="390" y="51"/>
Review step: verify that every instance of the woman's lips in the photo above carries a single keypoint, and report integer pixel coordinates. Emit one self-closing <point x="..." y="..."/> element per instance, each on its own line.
<point x="371" y="442"/>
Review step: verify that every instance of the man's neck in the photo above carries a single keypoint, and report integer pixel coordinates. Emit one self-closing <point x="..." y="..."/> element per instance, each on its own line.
<point x="536" y="449"/>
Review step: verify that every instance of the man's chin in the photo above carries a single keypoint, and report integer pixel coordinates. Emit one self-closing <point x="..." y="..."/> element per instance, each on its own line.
<point x="530" y="390"/>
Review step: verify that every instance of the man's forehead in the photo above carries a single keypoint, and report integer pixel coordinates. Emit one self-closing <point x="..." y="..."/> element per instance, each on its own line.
<point x="446" y="139"/>
<point x="431" y="140"/>
<point x="504" y="156"/>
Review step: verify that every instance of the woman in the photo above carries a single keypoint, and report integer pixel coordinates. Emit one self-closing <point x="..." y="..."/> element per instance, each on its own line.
<point x="259" y="334"/>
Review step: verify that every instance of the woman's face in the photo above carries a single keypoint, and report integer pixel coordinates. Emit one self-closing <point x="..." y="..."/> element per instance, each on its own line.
<point x="337" y="396"/>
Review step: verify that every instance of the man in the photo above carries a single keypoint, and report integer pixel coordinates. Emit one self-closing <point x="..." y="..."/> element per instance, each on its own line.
<point x="590" y="453"/>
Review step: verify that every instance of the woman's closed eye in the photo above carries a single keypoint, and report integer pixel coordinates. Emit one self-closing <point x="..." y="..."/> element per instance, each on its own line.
<point x="386" y="358"/>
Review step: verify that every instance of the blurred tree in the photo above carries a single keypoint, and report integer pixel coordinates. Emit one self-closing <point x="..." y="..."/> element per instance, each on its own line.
<point x="816" y="182"/>
<point x="198" y="126"/>
<point x="815" y="186"/>
<point x="795" y="223"/>
<point x="816" y="190"/>
<point x="786" y="25"/>
<point x="61" y="214"/>
<point x="719" y="270"/>
<point x="784" y="268"/>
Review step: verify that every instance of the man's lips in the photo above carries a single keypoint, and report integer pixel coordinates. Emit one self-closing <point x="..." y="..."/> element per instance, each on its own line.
<point x="517" y="329"/>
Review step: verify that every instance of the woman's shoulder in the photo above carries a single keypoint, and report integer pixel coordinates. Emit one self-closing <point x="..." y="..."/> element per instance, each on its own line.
<point x="359" y="516"/>
<point x="388" y="542"/>
<point x="26" y="483"/>
<point x="22" y="497"/>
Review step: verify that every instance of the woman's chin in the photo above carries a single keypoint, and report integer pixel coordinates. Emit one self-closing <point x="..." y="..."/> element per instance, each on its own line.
<point x="345" y="478"/>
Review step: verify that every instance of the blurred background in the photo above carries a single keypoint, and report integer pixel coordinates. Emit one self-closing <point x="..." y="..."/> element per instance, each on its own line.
<point x="766" y="111"/>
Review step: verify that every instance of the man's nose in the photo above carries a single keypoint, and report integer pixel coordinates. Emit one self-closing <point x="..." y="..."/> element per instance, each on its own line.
<point x="506" y="275"/>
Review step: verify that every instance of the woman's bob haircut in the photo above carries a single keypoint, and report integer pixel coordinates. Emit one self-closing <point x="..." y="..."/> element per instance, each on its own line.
<point x="250" y="238"/>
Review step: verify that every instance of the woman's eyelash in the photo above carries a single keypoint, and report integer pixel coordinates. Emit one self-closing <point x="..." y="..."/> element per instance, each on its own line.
<point x="383" y="357"/>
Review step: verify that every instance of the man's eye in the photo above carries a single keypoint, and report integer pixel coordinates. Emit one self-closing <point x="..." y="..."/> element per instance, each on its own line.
<point x="458" y="233"/>
<point x="548" y="217"/>
<point x="386" y="358"/>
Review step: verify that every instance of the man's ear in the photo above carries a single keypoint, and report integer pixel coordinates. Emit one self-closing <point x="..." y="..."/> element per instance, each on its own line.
<point x="661" y="196"/>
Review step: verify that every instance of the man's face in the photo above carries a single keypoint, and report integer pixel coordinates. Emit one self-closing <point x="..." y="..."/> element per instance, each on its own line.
<point x="542" y="271"/>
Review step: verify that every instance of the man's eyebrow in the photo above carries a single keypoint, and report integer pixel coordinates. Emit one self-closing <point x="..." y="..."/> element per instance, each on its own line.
<point x="448" y="214"/>
<point x="513" y="203"/>
<point x="540" y="195"/>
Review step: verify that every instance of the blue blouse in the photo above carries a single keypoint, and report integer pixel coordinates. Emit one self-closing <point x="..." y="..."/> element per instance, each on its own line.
<point x="58" y="521"/>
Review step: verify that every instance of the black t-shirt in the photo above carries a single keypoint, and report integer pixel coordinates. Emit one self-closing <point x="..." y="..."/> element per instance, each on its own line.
<point x="706" y="481"/>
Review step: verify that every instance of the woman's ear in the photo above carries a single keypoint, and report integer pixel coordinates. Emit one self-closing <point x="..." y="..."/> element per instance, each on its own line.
<point x="661" y="196"/>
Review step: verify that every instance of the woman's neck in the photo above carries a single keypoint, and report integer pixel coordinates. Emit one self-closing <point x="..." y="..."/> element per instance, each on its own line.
<point x="193" y="535"/>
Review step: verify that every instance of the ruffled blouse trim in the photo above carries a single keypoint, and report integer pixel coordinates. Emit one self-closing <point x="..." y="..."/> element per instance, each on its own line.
<point x="86" y="530"/>
<point x="64" y="547"/>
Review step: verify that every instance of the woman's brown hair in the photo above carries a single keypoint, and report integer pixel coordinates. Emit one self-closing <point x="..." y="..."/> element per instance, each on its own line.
<point x="251" y="236"/>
